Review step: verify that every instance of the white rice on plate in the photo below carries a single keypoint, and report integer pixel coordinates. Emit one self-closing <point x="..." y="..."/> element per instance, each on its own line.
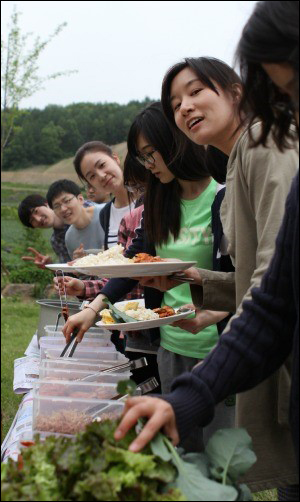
<point x="112" y="256"/>
<point x="140" y="314"/>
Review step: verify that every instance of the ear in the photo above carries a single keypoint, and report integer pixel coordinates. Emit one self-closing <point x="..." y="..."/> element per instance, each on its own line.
<point x="80" y="198"/>
<point x="116" y="158"/>
<point x="236" y="91"/>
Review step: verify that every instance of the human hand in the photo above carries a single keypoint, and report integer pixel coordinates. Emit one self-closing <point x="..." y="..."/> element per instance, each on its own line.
<point x="82" y="321"/>
<point x="38" y="258"/>
<point x="74" y="287"/>
<point x="202" y="320"/>
<point x="79" y="252"/>
<point x="160" y="415"/>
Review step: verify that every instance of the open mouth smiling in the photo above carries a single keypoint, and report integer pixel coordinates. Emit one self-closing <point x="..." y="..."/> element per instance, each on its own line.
<point x="192" y="122"/>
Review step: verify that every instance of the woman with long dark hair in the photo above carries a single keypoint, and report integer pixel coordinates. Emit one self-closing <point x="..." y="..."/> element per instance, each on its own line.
<point x="257" y="342"/>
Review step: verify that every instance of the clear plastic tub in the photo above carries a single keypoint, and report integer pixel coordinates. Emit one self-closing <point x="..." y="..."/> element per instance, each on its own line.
<point x="70" y="363"/>
<point x="47" y="341"/>
<point x="91" y="333"/>
<point x="78" y="375"/>
<point x="63" y="416"/>
<point x="75" y="389"/>
<point x="82" y="352"/>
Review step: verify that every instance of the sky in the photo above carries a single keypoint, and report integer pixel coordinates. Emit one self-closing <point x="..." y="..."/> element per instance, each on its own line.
<point x="122" y="49"/>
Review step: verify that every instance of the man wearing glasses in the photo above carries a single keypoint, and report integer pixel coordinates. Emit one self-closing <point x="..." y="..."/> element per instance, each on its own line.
<point x="85" y="231"/>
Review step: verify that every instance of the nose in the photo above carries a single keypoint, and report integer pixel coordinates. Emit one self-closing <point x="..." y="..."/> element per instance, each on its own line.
<point x="37" y="218"/>
<point x="102" y="175"/>
<point x="186" y="106"/>
<point x="149" y="165"/>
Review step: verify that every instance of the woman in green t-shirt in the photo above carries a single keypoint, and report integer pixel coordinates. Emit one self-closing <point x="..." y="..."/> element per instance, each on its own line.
<point x="177" y="220"/>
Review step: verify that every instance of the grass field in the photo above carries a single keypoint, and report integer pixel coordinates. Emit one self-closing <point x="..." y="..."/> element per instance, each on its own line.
<point x="18" y="324"/>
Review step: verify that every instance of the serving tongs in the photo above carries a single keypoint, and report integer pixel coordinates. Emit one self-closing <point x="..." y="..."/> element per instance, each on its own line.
<point x="63" y="302"/>
<point x="70" y="347"/>
<point x="142" y="388"/>
<point x="181" y="277"/>
<point x="130" y="365"/>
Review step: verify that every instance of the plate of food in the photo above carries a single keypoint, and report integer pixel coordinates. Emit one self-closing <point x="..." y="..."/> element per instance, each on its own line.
<point x="112" y="263"/>
<point x="132" y="316"/>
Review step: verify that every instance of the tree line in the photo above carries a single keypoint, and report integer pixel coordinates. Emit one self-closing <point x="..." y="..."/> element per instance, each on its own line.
<point x="56" y="132"/>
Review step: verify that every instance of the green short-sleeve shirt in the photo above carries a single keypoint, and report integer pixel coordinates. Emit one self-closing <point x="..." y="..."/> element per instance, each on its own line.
<point x="194" y="243"/>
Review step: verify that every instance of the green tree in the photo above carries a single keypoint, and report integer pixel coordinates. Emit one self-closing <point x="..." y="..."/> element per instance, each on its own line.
<point x="49" y="146"/>
<point x="19" y="73"/>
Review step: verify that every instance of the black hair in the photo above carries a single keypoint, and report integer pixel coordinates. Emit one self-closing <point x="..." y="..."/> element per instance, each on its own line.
<point x="135" y="175"/>
<point x="91" y="146"/>
<point x="134" y="172"/>
<point x="208" y="70"/>
<point x="216" y="163"/>
<point x="27" y="205"/>
<point x="162" y="200"/>
<point x="60" y="186"/>
<point x="271" y="35"/>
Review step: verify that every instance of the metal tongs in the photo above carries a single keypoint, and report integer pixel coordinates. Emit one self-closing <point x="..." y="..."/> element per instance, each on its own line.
<point x="70" y="347"/>
<point x="180" y="277"/>
<point x="131" y="365"/>
<point x="142" y="388"/>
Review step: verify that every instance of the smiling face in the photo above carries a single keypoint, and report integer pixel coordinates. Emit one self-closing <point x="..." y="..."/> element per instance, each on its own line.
<point x="205" y="117"/>
<point x="42" y="217"/>
<point x="68" y="207"/>
<point x="153" y="160"/>
<point x="102" y="172"/>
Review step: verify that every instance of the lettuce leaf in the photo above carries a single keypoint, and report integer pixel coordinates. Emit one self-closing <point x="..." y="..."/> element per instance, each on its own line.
<point x="117" y="314"/>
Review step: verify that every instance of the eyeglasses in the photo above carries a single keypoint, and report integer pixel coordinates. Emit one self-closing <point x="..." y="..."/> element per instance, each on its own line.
<point x="146" y="158"/>
<point x="135" y="188"/>
<point x="65" y="202"/>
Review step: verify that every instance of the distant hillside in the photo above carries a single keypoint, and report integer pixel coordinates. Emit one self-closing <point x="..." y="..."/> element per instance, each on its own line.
<point x="44" y="175"/>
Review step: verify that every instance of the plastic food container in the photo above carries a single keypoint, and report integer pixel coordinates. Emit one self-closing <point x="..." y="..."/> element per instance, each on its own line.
<point x="69" y="363"/>
<point x="47" y="341"/>
<point x="75" y="389"/>
<point x="63" y="416"/>
<point x="78" y="375"/>
<point x="91" y="333"/>
<point x="82" y="352"/>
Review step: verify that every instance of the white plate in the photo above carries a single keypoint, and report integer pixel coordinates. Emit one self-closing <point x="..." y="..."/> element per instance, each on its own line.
<point x="139" y="325"/>
<point x="61" y="266"/>
<point x="128" y="269"/>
